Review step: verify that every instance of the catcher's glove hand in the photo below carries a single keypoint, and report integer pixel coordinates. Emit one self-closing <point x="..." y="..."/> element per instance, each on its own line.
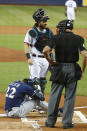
<point x="38" y="95"/>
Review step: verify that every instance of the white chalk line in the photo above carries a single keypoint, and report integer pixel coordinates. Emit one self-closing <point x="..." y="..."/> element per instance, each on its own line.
<point x="34" y="123"/>
<point x="37" y="126"/>
<point x="3" y="115"/>
<point x="82" y="117"/>
<point x="80" y="107"/>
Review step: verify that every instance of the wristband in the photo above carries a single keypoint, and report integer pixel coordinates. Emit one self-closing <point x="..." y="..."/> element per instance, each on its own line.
<point x="28" y="55"/>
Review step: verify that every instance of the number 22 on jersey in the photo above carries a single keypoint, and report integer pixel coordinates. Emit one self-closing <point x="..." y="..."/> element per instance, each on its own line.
<point x="10" y="92"/>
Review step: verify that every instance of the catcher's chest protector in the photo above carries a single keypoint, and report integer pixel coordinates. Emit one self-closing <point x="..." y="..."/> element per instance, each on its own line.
<point x="42" y="39"/>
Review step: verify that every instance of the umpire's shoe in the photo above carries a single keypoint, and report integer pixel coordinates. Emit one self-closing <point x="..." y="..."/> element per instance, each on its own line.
<point x="49" y="125"/>
<point x="68" y="125"/>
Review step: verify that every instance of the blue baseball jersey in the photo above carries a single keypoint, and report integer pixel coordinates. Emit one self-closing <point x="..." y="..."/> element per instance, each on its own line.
<point x="15" y="94"/>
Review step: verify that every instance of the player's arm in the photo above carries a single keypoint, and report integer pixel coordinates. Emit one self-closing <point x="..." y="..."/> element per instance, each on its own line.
<point x="83" y="52"/>
<point x="84" y="60"/>
<point x="34" y="93"/>
<point x="47" y="53"/>
<point x="26" y="50"/>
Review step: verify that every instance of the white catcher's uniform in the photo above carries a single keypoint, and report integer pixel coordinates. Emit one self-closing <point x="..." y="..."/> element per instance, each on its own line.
<point x="40" y="64"/>
<point x="71" y="5"/>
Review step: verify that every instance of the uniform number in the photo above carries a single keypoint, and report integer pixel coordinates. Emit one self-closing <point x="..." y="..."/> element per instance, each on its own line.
<point x="10" y="92"/>
<point x="70" y="5"/>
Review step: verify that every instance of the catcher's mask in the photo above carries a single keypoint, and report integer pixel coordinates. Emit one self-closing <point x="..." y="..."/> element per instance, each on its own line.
<point x="40" y="15"/>
<point x="65" y="24"/>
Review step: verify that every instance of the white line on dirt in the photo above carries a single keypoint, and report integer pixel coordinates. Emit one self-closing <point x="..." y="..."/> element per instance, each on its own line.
<point x="3" y="115"/>
<point x="34" y="124"/>
<point x="80" y="107"/>
<point x="82" y="117"/>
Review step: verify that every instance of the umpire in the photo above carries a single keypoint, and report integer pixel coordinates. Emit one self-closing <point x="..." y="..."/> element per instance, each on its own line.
<point x="65" y="72"/>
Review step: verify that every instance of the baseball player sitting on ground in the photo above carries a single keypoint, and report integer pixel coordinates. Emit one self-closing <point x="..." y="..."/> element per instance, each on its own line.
<point x="16" y="103"/>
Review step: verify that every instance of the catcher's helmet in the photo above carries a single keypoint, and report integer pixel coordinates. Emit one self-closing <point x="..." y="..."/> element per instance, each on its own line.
<point x="65" y="24"/>
<point x="40" y="15"/>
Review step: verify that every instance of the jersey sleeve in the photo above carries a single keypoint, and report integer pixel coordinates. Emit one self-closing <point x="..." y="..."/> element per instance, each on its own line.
<point x="28" y="90"/>
<point x="28" y="38"/>
<point x="81" y="44"/>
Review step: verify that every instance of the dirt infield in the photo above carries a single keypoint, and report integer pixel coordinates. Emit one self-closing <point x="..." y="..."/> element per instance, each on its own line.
<point x="11" y="55"/>
<point x="32" y="120"/>
<point x="24" y="29"/>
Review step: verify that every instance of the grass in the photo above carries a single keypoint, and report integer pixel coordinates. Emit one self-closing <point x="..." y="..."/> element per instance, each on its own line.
<point x="12" y="41"/>
<point x="11" y="71"/>
<point x="22" y="15"/>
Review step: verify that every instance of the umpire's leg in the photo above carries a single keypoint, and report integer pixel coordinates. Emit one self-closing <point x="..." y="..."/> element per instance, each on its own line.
<point x="68" y="108"/>
<point x="54" y="103"/>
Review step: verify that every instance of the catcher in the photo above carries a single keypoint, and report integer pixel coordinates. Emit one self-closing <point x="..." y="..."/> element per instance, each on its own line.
<point x="17" y="104"/>
<point x="35" y="40"/>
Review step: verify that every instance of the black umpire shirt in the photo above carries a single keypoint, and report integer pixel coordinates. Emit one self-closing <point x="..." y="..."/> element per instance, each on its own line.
<point x="67" y="46"/>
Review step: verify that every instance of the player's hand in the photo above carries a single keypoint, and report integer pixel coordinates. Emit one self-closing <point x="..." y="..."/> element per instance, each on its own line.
<point x="30" y="62"/>
<point x="52" y="63"/>
<point x="38" y="95"/>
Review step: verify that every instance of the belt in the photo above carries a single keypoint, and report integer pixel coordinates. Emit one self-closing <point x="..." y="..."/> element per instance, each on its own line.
<point x="67" y="64"/>
<point x="34" y="55"/>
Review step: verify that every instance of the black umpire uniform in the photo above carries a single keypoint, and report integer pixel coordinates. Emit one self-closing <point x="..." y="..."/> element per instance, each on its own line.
<point x="65" y="72"/>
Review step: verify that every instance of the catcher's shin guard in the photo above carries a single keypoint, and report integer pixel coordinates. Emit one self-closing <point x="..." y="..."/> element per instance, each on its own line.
<point x="43" y="84"/>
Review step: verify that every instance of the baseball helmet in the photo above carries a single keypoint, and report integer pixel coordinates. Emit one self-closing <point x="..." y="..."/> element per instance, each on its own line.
<point x="28" y="81"/>
<point x="65" y="24"/>
<point x="40" y="15"/>
<point x="32" y="82"/>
